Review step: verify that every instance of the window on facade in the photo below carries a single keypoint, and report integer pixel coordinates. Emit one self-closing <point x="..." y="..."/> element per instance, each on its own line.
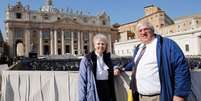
<point x="18" y="15"/>
<point x="34" y="17"/>
<point x="128" y="51"/>
<point x="75" y="35"/>
<point x="86" y="36"/>
<point x="85" y="20"/>
<point x="67" y="49"/>
<point x="58" y="18"/>
<point x="45" y="41"/>
<point x="75" y="47"/>
<point x="85" y="42"/>
<point x="45" y="17"/>
<point x="19" y="35"/>
<point x="46" y="35"/>
<point x="104" y="22"/>
<point x="187" y="47"/>
<point x="85" y="47"/>
<point x="67" y="35"/>
<point x="34" y="31"/>
<point x="68" y="41"/>
<point x="59" y="51"/>
<point x="59" y="35"/>
<point x="46" y="50"/>
<point x="190" y="22"/>
<point x="93" y="22"/>
<point x="76" y="52"/>
<point x="197" y="22"/>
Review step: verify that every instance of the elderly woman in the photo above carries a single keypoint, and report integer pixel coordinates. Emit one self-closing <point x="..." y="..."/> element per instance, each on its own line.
<point x="96" y="73"/>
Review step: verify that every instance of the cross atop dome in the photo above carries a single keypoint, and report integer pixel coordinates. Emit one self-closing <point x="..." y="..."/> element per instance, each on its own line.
<point x="48" y="7"/>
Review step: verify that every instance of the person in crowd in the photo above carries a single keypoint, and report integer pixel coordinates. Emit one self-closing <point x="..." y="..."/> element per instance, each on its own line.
<point x="96" y="73"/>
<point x="159" y="68"/>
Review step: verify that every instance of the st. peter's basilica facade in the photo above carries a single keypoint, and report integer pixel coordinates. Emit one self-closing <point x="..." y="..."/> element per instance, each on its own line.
<point x="50" y="31"/>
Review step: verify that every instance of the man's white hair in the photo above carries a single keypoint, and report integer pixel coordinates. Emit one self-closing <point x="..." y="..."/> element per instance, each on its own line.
<point x="145" y="23"/>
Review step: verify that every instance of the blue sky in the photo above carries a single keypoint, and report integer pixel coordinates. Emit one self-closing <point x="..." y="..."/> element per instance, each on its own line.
<point x="120" y="11"/>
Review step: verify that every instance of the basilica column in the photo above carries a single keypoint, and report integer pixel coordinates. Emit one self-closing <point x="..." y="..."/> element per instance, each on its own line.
<point x="51" y="42"/>
<point x="62" y="42"/>
<point x="81" y="43"/>
<point x="41" y="43"/>
<point x="55" y="43"/>
<point x="11" y="43"/>
<point x="27" y="42"/>
<point x="90" y="41"/>
<point x="72" y="43"/>
<point x="79" y="46"/>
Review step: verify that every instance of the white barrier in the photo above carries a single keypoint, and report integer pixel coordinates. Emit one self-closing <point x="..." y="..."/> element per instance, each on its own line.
<point x="48" y="86"/>
<point x="63" y="86"/>
<point x="39" y="86"/>
<point x="195" y="87"/>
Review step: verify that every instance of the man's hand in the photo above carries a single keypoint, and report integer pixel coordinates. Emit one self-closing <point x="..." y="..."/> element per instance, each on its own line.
<point x="177" y="98"/>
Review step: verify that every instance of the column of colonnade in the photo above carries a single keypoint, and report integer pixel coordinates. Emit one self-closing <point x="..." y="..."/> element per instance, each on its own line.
<point x="40" y="43"/>
<point x="27" y="42"/>
<point x="51" y="42"/>
<point x="78" y="43"/>
<point x="90" y="41"/>
<point x="72" y="43"/>
<point x="81" y="43"/>
<point x="62" y="42"/>
<point x="11" y="43"/>
<point x="54" y="42"/>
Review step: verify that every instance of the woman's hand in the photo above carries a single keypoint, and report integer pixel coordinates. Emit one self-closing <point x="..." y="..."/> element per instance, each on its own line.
<point x="116" y="72"/>
<point x="177" y="98"/>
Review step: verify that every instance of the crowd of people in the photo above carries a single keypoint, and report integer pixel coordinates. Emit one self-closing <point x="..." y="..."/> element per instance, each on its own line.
<point x="66" y="64"/>
<point x="194" y="63"/>
<point x="48" y="65"/>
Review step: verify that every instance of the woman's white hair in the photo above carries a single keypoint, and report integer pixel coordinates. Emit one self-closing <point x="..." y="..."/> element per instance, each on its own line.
<point x="101" y="37"/>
